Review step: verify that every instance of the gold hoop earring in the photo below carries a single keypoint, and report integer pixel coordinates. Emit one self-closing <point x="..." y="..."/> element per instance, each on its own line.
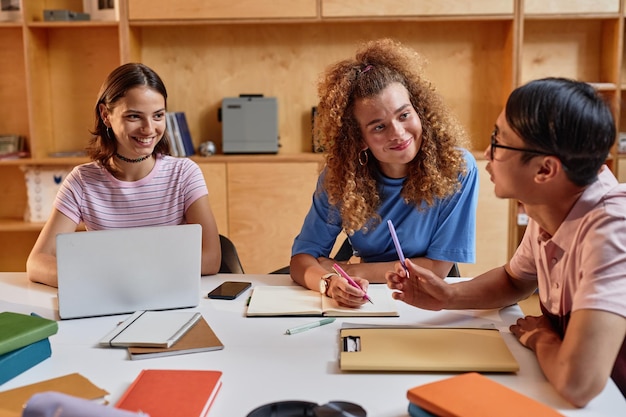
<point x="363" y="160"/>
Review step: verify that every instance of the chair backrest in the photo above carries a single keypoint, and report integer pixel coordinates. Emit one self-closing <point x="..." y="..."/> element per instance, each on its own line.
<point x="454" y="271"/>
<point x="345" y="253"/>
<point x="230" y="259"/>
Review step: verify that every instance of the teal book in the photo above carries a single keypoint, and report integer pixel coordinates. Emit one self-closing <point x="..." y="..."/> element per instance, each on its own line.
<point x="416" y="411"/>
<point x="19" y="330"/>
<point x="20" y="360"/>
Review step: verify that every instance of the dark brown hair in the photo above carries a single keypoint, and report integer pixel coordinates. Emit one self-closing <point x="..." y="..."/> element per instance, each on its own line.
<point x="103" y="145"/>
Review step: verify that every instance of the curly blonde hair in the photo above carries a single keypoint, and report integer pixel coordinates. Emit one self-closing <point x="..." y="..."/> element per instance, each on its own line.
<point x="351" y="186"/>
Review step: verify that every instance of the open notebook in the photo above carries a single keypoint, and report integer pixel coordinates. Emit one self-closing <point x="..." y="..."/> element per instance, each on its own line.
<point x="294" y="300"/>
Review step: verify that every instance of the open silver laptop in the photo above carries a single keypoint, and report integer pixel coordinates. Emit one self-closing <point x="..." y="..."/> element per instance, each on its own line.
<point x="124" y="270"/>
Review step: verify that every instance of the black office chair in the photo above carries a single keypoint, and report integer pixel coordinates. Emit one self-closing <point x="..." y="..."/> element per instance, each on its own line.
<point x="345" y="252"/>
<point x="230" y="259"/>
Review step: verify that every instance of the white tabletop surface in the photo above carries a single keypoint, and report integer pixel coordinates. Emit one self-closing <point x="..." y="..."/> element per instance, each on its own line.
<point x="261" y="364"/>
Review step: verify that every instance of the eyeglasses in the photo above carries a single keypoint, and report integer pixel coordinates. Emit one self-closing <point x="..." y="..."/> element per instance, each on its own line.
<point x="305" y="408"/>
<point x="495" y="144"/>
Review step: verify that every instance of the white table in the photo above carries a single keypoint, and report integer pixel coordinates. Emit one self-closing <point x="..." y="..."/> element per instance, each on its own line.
<point x="261" y="364"/>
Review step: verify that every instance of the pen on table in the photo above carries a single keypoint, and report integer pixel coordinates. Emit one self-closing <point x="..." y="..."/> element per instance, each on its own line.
<point x="309" y="326"/>
<point x="344" y="274"/>
<point x="396" y="243"/>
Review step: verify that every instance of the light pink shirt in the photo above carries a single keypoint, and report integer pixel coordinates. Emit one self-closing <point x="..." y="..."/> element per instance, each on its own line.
<point x="92" y="195"/>
<point x="583" y="266"/>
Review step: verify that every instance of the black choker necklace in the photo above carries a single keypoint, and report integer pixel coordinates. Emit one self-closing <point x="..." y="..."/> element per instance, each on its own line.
<point x="132" y="161"/>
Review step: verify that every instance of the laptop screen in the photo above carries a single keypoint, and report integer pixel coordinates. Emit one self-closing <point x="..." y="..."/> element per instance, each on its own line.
<point x="124" y="270"/>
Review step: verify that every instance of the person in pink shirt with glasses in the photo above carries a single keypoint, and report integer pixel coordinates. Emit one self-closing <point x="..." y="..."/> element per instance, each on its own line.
<point x="548" y="151"/>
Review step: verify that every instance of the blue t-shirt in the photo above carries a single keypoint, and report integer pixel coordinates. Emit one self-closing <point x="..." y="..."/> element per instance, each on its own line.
<point x="444" y="231"/>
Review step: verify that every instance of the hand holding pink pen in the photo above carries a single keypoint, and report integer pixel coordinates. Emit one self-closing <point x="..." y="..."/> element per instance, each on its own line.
<point x="343" y="273"/>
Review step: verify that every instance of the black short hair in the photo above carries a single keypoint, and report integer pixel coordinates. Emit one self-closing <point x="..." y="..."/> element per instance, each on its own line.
<point x="566" y="118"/>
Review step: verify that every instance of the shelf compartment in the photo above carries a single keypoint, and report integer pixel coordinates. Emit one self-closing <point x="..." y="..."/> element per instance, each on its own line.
<point x="582" y="49"/>
<point x="13" y="93"/>
<point x="477" y="52"/>
<point x="72" y="62"/>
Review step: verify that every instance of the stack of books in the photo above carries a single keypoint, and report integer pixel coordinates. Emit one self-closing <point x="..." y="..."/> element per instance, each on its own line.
<point x="24" y="342"/>
<point x="178" y="132"/>
<point x="12" y="147"/>
<point x="154" y="334"/>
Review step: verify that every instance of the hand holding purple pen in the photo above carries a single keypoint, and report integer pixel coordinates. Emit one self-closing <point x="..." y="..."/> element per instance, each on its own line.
<point x="396" y="243"/>
<point x="344" y="274"/>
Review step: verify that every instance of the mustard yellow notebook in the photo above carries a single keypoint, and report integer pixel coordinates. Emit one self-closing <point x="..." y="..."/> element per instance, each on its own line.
<point x="425" y="349"/>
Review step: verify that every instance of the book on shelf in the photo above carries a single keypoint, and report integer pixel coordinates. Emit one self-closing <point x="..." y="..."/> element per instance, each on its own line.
<point x="475" y="395"/>
<point x="185" y="133"/>
<point x="172" y="392"/>
<point x="13" y="400"/>
<point x="18" y="330"/>
<point x="294" y="300"/>
<point x="176" y="144"/>
<point x="10" y="144"/>
<point x="180" y="135"/>
<point x="14" y="155"/>
<point x="200" y="338"/>
<point x="22" y="359"/>
<point x="151" y="329"/>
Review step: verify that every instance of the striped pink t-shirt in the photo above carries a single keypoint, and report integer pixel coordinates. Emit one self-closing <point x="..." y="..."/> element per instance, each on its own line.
<point x="90" y="194"/>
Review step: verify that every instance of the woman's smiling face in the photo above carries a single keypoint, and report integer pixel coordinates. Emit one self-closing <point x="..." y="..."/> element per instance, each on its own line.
<point x="138" y="121"/>
<point x="391" y="128"/>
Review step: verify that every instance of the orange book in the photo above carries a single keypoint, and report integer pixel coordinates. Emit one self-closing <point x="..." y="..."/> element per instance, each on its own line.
<point x="172" y="392"/>
<point x="474" y="395"/>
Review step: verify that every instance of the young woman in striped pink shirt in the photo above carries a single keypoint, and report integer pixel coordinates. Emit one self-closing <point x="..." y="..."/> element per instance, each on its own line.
<point x="132" y="181"/>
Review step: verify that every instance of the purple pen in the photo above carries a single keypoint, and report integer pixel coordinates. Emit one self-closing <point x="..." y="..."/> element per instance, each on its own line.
<point x="344" y="274"/>
<point x="396" y="243"/>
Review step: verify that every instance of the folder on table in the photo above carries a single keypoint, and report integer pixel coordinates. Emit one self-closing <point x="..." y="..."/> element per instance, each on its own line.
<point x="425" y="349"/>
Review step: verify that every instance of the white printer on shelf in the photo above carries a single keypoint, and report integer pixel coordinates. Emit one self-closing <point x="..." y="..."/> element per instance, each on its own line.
<point x="249" y="124"/>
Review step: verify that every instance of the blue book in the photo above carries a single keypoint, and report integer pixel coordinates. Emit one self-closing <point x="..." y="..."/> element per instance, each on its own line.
<point x="17" y="361"/>
<point x="416" y="411"/>
<point x="185" y="133"/>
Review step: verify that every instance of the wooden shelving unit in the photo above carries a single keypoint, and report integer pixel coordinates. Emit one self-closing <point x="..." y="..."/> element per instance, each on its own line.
<point x="477" y="53"/>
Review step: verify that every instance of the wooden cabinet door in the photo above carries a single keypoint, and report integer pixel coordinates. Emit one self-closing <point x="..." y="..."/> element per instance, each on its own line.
<point x="267" y="202"/>
<point x="215" y="178"/>
<point x="492" y="220"/>
<point x="570" y="6"/>
<point x="220" y="9"/>
<point x="370" y="8"/>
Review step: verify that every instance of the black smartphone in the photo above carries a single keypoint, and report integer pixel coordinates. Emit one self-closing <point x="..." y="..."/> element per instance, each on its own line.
<point x="229" y="290"/>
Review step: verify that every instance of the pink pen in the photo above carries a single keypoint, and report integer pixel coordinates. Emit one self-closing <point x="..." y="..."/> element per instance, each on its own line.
<point x="396" y="243"/>
<point x="343" y="273"/>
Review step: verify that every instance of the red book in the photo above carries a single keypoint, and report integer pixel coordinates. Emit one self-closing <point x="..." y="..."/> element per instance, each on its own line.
<point x="172" y="392"/>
